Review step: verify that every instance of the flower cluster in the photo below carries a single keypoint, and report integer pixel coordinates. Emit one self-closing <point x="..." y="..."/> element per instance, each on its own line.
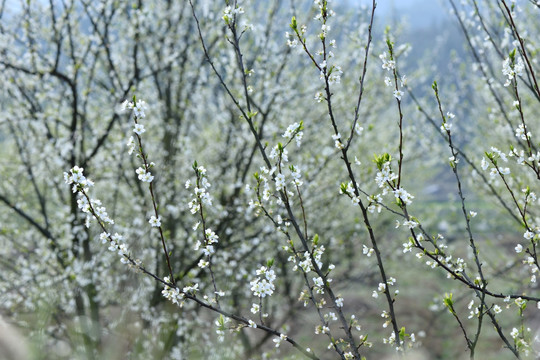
<point x="322" y="329"/>
<point x="367" y="250"/>
<point x="407" y="247"/>
<point x="291" y="40"/>
<point x="375" y="203"/>
<point x="390" y="340"/>
<point x="337" y="141"/>
<point x="172" y="294"/>
<point x="532" y="237"/>
<point x="385" y="179"/>
<point x="381" y="288"/>
<point x="411" y="224"/>
<point x="330" y="73"/>
<point x="306" y="264"/>
<point x="522" y="133"/>
<point x="348" y="189"/>
<point x="324" y="11"/>
<point x="511" y="68"/>
<point x="144" y="175"/>
<point x="334" y="75"/>
<point x="201" y="197"/>
<point x="294" y="130"/>
<point x="252" y="324"/>
<point x="77" y="178"/>
<point x="262" y="183"/>
<point x="446" y="125"/>
<point x="474" y="311"/>
<point x="263" y="286"/>
<point x="210" y="238"/>
<point x="91" y="207"/>
<point x="229" y="13"/>
<point x="318" y="285"/>
<point x="457" y="266"/>
<point x="280" y="182"/>
<point x="278" y="340"/>
<point x="493" y="157"/>
<point x="190" y="289"/>
<point x="385" y="175"/>
<point x="403" y="195"/>
<point x="514" y="333"/>
<point x="387" y="65"/>
<point x="319" y="96"/>
<point x="295" y="175"/>
<point x="116" y="244"/>
<point x="279" y="151"/>
<point x="131" y="145"/>
<point x="200" y="193"/>
<point x="138" y="107"/>
<point x="325" y="28"/>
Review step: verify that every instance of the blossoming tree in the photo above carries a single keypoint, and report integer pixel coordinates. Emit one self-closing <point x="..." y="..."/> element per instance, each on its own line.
<point x="248" y="180"/>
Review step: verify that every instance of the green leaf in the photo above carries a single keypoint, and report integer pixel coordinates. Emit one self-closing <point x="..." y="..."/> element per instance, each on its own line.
<point x="449" y="302"/>
<point x="402" y="333"/>
<point x="512" y="55"/>
<point x="294" y="25"/>
<point x="381" y="159"/>
<point x="221" y="322"/>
